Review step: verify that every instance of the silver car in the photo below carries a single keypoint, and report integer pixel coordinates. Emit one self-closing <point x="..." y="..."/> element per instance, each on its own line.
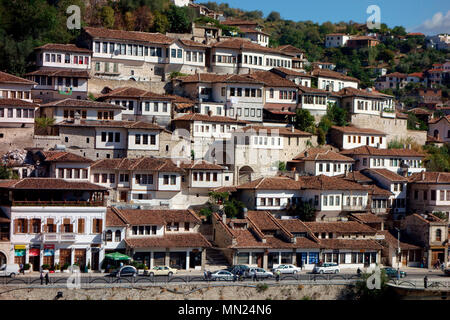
<point x="286" y="269"/>
<point x="222" y="275"/>
<point x="260" y="273"/>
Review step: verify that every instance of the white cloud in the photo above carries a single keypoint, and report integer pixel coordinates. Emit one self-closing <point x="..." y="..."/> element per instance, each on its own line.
<point x="439" y="23"/>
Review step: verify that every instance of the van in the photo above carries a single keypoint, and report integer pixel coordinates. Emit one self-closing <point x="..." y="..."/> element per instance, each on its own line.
<point x="9" y="270"/>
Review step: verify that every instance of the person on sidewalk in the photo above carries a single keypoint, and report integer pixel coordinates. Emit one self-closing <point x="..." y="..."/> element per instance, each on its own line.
<point x="47" y="280"/>
<point x="42" y="277"/>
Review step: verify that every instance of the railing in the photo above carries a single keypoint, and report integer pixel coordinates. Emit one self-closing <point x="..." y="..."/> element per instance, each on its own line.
<point x="354" y="208"/>
<point x="57" y="203"/>
<point x="58" y="237"/>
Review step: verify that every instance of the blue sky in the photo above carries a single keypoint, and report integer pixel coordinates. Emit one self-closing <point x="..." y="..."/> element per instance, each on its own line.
<point x="428" y="16"/>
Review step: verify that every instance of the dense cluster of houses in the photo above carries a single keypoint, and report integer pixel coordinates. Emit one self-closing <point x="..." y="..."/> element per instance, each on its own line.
<point x="130" y="170"/>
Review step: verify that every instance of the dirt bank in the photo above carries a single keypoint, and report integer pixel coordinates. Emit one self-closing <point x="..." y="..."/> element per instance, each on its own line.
<point x="182" y="292"/>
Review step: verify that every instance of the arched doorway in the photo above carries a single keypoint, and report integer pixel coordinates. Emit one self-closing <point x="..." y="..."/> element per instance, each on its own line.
<point x="2" y="258"/>
<point x="436" y="133"/>
<point x="245" y="174"/>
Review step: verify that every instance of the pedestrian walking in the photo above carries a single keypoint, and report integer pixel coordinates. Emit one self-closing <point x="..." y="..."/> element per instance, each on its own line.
<point x="209" y="275"/>
<point x="278" y="273"/>
<point x="254" y="276"/>
<point x="22" y="270"/>
<point x="301" y="264"/>
<point x="47" y="280"/>
<point x="42" y="277"/>
<point x="425" y="282"/>
<point x="205" y="275"/>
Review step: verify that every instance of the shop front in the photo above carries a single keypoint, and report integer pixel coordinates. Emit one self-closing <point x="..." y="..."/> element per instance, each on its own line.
<point x="20" y="252"/>
<point x="34" y="257"/>
<point x="49" y="254"/>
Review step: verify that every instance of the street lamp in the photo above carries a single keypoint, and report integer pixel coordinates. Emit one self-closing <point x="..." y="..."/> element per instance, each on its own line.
<point x="398" y="253"/>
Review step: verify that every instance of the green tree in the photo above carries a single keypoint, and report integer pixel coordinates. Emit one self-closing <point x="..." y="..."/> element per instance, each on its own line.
<point x="161" y="23"/>
<point x="273" y="16"/>
<point x="107" y="17"/>
<point x="281" y="166"/>
<point x="179" y="19"/>
<point x="337" y="115"/>
<point x="304" y="121"/>
<point x="5" y="173"/>
<point x="305" y="211"/>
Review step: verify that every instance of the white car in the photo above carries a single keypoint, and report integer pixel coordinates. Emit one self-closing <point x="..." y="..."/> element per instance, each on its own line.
<point x="222" y="275"/>
<point x="328" y="267"/>
<point x="287" y="268"/>
<point x="162" y="271"/>
<point x="9" y="270"/>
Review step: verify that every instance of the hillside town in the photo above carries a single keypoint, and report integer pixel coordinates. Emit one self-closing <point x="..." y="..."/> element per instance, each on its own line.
<point x="205" y="150"/>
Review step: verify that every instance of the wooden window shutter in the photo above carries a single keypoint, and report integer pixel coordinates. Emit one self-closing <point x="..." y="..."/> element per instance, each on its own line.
<point x="16" y="225"/>
<point x="80" y="225"/>
<point x="100" y="225"/>
<point x="94" y="221"/>
<point x="26" y="222"/>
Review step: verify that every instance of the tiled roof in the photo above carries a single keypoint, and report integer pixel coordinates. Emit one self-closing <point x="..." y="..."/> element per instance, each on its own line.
<point x="9" y="78"/>
<point x="294" y="225"/>
<point x="291" y="72"/>
<point x="350" y="244"/>
<point x="351" y="92"/>
<point x="290" y="49"/>
<point x="156" y="217"/>
<point x="114" y="218"/>
<point x="17" y="103"/>
<point x="280" y="108"/>
<point x="262" y="220"/>
<point x="420" y="111"/>
<point x="366" y="217"/>
<point x="375" y="190"/>
<point x="60" y="72"/>
<point x="322" y="154"/>
<point x="272" y="80"/>
<point x="191" y="43"/>
<point x="323" y="182"/>
<point x="355" y="176"/>
<point x="345" y="227"/>
<point x="332" y="74"/>
<point x="436" y="120"/>
<point x="146" y="163"/>
<point x="237" y="22"/>
<point x="219" y="78"/>
<point x="183" y="240"/>
<point x="200" y="165"/>
<point x="272" y="183"/>
<point x="355" y="130"/>
<point x="112" y="124"/>
<point x="208" y="118"/>
<point x="309" y="90"/>
<point x="63" y="47"/>
<point x="387" y="174"/>
<point x="50" y="184"/>
<point x="245" y="44"/>
<point x="282" y="131"/>
<point x="77" y="103"/>
<point x="367" y="150"/>
<point x="130" y="92"/>
<point x="146" y="37"/>
<point x="396" y="75"/>
<point x="393" y="241"/>
<point x="62" y="156"/>
<point x="430" y="177"/>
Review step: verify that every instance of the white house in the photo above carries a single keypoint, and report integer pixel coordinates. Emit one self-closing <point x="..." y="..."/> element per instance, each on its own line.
<point x="353" y="137"/>
<point x="55" y="222"/>
<point x="367" y="102"/>
<point x="333" y="81"/>
<point x="336" y="40"/>
<point x="439" y="128"/>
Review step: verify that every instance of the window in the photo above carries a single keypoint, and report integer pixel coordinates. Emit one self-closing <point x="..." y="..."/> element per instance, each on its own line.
<point x="438" y="235"/>
<point x="97" y="226"/>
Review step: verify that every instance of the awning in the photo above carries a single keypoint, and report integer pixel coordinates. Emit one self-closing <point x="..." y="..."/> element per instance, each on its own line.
<point x="116" y="256"/>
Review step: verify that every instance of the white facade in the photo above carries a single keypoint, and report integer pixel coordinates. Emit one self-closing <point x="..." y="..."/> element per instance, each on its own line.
<point x="336" y="40"/>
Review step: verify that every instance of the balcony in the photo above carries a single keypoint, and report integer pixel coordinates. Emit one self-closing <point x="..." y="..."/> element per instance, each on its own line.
<point x="57" y="204"/>
<point x="388" y="113"/>
<point x="354" y="207"/>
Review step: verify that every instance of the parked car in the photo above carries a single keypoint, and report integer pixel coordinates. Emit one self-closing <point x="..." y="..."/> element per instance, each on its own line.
<point x="222" y="275"/>
<point x="392" y="273"/>
<point x="328" y="267"/>
<point x="260" y="273"/>
<point x="447" y="272"/>
<point x="9" y="270"/>
<point x="162" y="271"/>
<point x="125" y="271"/>
<point x="238" y="268"/>
<point x="287" y="268"/>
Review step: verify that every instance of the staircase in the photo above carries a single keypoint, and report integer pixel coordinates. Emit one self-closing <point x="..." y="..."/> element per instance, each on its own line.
<point x="215" y="260"/>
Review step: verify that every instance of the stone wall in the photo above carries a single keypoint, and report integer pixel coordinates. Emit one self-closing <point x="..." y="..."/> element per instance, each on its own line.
<point x="15" y="138"/>
<point x="395" y="129"/>
<point x="96" y="85"/>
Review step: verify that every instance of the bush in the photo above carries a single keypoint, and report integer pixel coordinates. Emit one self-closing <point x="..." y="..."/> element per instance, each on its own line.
<point x="45" y="267"/>
<point x="261" y="287"/>
<point x="26" y="266"/>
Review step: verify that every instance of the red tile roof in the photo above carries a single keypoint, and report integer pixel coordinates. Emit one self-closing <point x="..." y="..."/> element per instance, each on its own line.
<point x="130" y="92"/>
<point x="62" y="156"/>
<point x="355" y="130"/>
<point x="183" y="240"/>
<point x="50" y="184"/>
<point x="366" y="217"/>
<point x="145" y="163"/>
<point x="332" y="74"/>
<point x="367" y="150"/>
<point x="352" y="92"/>
<point x="322" y="154"/>
<point x="272" y="183"/>
<point x="430" y="177"/>
<point x="77" y="103"/>
<point x="145" y="37"/>
<point x="323" y="182"/>
<point x="247" y="45"/>
<point x="280" y="108"/>
<point x="17" y="103"/>
<point x="114" y="218"/>
<point x="272" y="80"/>
<point x="113" y="124"/>
<point x="387" y="174"/>
<point x="63" y="47"/>
<point x="60" y="72"/>
<point x="200" y="165"/>
<point x="350" y="244"/>
<point x="9" y="78"/>
<point x="290" y="72"/>
<point x="219" y="78"/>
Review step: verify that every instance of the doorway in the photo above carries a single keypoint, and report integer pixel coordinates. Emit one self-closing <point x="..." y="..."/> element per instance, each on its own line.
<point x="2" y="259"/>
<point x="95" y="258"/>
<point x="123" y="196"/>
<point x="35" y="262"/>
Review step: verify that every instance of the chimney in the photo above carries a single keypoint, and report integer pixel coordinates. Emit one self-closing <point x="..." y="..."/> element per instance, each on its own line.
<point x="296" y="176"/>
<point x="209" y="113"/>
<point x="77" y="118"/>
<point x="245" y="212"/>
<point x="153" y="119"/>
<point x="292" y="129"/>
<point x="224" y="218"/>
